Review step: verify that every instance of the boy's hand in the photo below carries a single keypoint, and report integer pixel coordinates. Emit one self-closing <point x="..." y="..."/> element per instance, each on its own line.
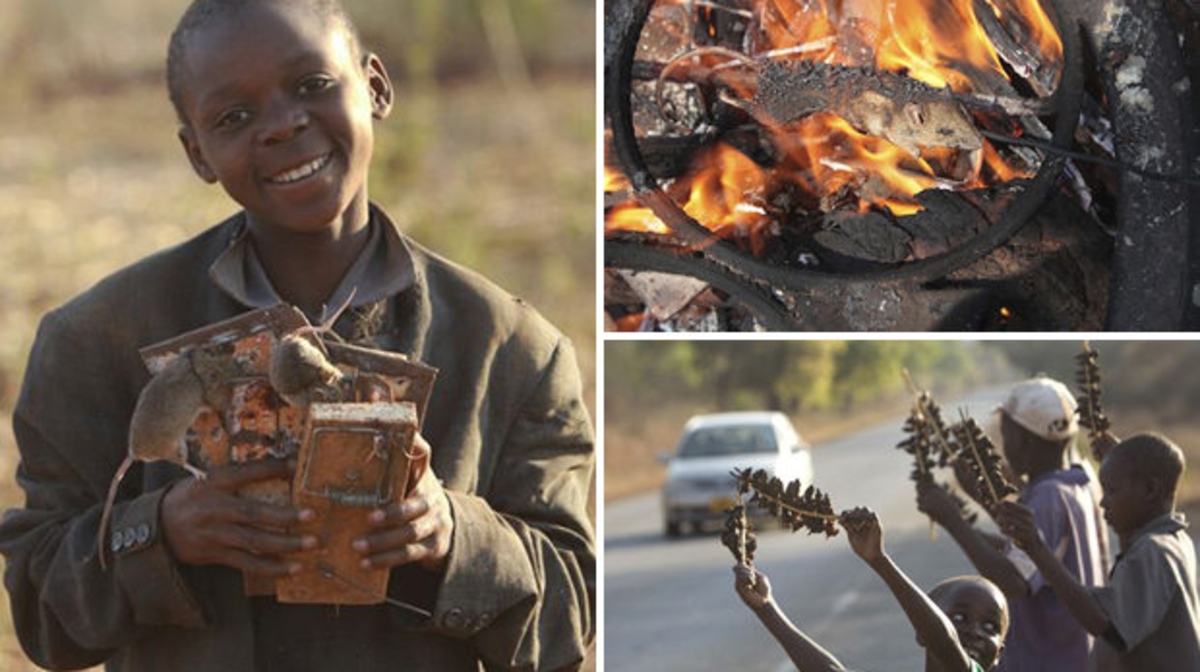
<point x="205" y="522"/>
<point x="1016" y="521"/>
<point x="967" y="481"/>
<point x="417" y="529"/>
<point x="864" y="533"/>
<point x="1103" y="444"/>
<point x="752" y="586"/>
<point x="935" y="502"/>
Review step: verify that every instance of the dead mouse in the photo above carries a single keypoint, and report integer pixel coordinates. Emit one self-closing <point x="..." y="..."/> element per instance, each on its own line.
<point x="300" y="370"/>
<point x="165" y="409"/>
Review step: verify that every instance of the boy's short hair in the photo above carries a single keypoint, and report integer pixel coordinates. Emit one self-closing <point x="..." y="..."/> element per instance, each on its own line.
<point x="941" y="589"/>
<point x="1044" y="407"/>
<point x="1152" y="456"/>
<point x="200" y="12"/>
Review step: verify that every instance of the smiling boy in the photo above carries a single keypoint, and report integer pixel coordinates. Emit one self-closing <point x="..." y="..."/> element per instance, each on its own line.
<point x="277" y="103"/>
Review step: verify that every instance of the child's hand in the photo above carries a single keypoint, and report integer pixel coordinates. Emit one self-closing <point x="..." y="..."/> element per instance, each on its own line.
<point x="935" y="502"/>
<point x="752" y="586"/>
<point x="417" y="529"/>
<point x="967" y="481"/>
<point x="1016" y="522"/>
<point x="864" y="533"/>
<point x="205" y="522"/>
<point x="1104" y="443"/>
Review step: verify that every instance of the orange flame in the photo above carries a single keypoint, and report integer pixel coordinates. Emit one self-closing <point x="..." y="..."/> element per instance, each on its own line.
<point x="614" y="179"/>
<point x="1034" y="22"/>
<point x="631" y="322"/>
<point x="725" y="193"/>
<point x="938" y="42"/>
<point x="630" y="216"/>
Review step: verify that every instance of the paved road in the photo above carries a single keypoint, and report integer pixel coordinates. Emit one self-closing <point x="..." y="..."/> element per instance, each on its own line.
<point x="669" y="604"/>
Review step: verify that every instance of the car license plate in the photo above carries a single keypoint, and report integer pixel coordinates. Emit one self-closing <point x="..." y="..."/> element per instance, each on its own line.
<point x="720" y="504"/>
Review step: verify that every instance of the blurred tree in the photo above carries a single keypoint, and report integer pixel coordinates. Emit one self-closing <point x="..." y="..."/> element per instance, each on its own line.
<point x="866" y="367"/>
<point x="1052" y="358"/>
<point x="806" y="376"/>
<point x="791" y="376"/>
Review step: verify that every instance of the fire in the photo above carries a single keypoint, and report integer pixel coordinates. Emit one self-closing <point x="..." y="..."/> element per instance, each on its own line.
<point x="629" y="216"/>
<point x="1034" y="22"/>
<point x="726" y="193"/>
<point x="836" y="156"/>
<point x="614" y="180"/>
<point x="941" y="43"/>
<point x="632" y="322"/>
<point x="938" y="42"/>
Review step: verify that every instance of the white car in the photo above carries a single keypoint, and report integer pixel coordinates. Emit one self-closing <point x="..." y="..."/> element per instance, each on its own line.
<point x="699" y="487"/>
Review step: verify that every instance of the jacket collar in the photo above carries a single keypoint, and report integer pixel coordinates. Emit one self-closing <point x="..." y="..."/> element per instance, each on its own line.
<point x="383" y="269"/>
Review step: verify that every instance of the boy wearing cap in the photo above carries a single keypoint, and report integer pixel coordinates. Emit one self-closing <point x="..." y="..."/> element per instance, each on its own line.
<point x="1037" y="427"/>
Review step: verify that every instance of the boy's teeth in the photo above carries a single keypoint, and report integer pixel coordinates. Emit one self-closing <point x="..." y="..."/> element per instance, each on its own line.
<point x="301" y="172"/>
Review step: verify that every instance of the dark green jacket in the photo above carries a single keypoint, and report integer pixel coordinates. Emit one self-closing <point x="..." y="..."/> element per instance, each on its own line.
<point x="511" y="441"/>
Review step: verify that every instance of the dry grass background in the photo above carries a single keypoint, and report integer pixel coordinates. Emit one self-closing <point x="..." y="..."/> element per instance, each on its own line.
<point x="495" y="172"/>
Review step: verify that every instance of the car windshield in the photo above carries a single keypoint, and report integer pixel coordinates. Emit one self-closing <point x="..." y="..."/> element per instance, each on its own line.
<point x="728" y="440"/>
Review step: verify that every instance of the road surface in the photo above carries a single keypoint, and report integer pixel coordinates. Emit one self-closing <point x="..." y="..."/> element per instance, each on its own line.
<point x="669" y="604"/>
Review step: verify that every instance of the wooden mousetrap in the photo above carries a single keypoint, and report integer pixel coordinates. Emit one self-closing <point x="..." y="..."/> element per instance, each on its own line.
<point x="356" y="457"/>
<point x="385" y="393"/>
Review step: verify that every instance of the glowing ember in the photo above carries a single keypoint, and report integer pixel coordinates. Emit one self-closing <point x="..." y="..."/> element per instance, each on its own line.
<point x="630" y="216"/>
<point x="848" y="164"/>
<point x="614" y="180"/>
<point x="631" y="322"/>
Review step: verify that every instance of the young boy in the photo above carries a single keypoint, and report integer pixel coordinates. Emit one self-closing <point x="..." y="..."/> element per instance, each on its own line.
<point x="960" y="624"/>
<point x="276" y="101"/>
<point x="1037" y="426"/>
<point x="1148" y="618"/>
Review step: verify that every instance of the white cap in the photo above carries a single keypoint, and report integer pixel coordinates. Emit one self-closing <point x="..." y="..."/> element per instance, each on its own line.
<point x="1044" y="407"/>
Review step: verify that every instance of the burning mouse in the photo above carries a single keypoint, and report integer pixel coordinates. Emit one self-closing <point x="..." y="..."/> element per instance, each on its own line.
<point x="904" y="111"/>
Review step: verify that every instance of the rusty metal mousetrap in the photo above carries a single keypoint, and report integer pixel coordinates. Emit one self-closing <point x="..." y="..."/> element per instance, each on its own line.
<point x="353" y="448"/>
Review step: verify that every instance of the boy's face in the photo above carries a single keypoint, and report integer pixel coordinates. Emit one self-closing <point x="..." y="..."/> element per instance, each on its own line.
<point x="979" y="618"/>
<point x="279" y="110"/>
<point x="1016" y="447"/>
<point x="1129" y="501"/>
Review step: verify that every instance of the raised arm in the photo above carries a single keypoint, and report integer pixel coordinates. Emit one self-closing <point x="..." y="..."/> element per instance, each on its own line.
<point x="984" y="555"/>
<point x="934" y="629"/>
<point x="1016" y="521"/>
<point x="808" y="656"/>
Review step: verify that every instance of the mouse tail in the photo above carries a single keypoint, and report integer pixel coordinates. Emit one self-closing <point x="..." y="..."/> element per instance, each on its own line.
<point x="106" y="516"/>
